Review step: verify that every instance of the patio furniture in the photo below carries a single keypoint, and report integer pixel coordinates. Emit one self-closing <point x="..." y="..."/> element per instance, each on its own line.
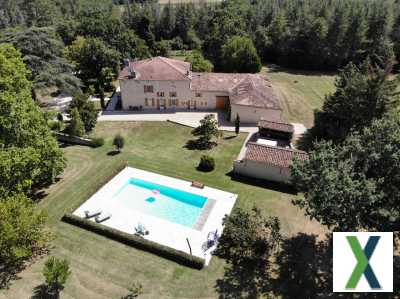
<point x="197" y="184"/>
<point x="212" y="239"/>
<point x="90" y="214"/>
<point x="101" y="218"/>
<point x="141" y="230"/>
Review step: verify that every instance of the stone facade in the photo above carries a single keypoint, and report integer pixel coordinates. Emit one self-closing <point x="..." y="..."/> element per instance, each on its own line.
<point x="161" y="83"/>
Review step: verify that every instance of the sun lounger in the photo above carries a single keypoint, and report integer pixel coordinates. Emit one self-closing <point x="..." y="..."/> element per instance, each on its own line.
<point x="90" y="214"/>
<point x="141" y="230"/>
<point x="101" y="218"/>
<point x="197" y="185"/>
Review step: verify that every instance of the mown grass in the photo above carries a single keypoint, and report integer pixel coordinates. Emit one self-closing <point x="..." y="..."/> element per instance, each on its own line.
<point x="301" y="92"/>
<point x="102" y="268"/>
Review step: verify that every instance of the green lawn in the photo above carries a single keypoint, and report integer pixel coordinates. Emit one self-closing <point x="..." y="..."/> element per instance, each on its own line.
<point x="103" y="268"/>
<point x="300" y="92"/>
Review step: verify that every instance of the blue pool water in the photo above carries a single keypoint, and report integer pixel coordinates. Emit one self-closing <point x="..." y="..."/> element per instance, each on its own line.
<point x="161" y="201"/>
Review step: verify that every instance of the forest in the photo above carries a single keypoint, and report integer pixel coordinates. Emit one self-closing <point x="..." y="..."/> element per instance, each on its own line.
<point x="309" y="34"/>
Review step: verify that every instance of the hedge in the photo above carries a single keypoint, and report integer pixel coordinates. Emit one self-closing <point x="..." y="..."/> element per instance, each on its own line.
<point x="135" y="241"/>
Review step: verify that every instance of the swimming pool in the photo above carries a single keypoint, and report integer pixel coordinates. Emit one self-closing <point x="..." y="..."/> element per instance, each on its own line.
<point x="161" y="201"/>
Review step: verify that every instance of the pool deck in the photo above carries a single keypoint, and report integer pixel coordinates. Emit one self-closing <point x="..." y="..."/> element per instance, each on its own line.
<point x="164" y="232"/>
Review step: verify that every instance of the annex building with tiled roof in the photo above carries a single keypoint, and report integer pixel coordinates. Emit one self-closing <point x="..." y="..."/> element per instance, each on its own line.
<point x="161" y="83"/>
<point x="268" y="162"/>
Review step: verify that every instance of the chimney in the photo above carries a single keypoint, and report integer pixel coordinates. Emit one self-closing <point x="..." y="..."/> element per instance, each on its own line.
<point x="132" y="73"/>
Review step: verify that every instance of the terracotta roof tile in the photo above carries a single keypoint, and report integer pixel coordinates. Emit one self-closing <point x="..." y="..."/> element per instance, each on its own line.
<point x="158" y="68"/>
<point x="255" y="91"/>
<point x="244" y="89"/>
<point x="276" y="126"/>
<point x="272" y="155"/>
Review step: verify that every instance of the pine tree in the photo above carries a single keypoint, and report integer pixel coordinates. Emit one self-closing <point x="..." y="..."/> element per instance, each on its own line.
<point x="237" y="124"/>
<point x="75" y="127"/>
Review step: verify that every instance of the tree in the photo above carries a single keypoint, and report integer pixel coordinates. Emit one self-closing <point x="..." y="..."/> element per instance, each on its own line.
<point x="131" y="46"/>
<point x="198" y="62"/>
<point x="75" y="127"/>
<point x="56" y="273"/>
<point x="247" y="244"/>
<point x="167" y="21"/>
<point x="87" y="110"/>
<point x="119" y="142"/>
<point x="207" y="129"/>
<point x="237" y="124"/>
<point x="162" y="48"/>
<point x="207" y="163"/>
<point x="354" y="186"/>
<point x="22" y="230"/>
<point x="362" y="94"/>
<point x="240" y="55"/>
<point x="42" y="52"/>
<point x="91" y="56"/>
<point x="24" y="127"/>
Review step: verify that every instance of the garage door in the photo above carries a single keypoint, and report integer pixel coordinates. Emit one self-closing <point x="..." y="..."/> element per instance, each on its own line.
<point x="222" y="102"/>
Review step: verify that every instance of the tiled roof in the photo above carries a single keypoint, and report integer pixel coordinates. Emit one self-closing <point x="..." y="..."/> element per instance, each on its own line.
<point x="276" y="126"/>
<point x="215" y="81"/>
<point x="255" y="91"/>
<point x="272" y="155"/>
<point x="158" y="68"/>
<point x="243" y="89"/>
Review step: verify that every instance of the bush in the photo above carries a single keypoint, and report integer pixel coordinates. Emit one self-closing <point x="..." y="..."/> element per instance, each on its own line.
<point x="207" y="163"/>
<point x="56" y="125"/>
<point x="138" y="242"/>
<point x="119" y="142"/>
<point x="97" y="142"/>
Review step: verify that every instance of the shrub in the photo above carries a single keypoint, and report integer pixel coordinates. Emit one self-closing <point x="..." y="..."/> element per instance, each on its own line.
<point x="207" y="163"/>
<point x="97" y="142"/>
<point x="75" y="127"/>
<point x="135" y="241"/>
<point x="56" y="125"/>
<point x="119" y="142"/>
<point x="56" y="273"/>
<point x="60" y="117"/>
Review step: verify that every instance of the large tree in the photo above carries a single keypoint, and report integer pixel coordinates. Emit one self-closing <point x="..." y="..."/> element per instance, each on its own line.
<point x="198" y="62"/>
<point x="23" y="126"/>
<point x="363" y="93"/>
<point x="356" y="185"/>
<point x="22" y="230"/>
<point x="91" y="56"/>
<point x="239" y="55"/>
<point x="42" y="52"/>
<point x="86" y="110"/>
<point x="247" y="244"/>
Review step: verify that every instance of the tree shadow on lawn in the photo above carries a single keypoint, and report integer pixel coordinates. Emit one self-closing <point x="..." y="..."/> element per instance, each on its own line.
<point x="113" y="153"/>
<point x="9" y="273"/>
<point x="197" y="144"/>
<point x="279" y="187"/>
<point x="274" y="68"/>
<point x="303" y="270"/>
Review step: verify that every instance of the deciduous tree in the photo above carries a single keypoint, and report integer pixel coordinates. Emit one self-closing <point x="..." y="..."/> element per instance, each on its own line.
<point x="354" y="186"/>
<point x="240" y="55"/>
